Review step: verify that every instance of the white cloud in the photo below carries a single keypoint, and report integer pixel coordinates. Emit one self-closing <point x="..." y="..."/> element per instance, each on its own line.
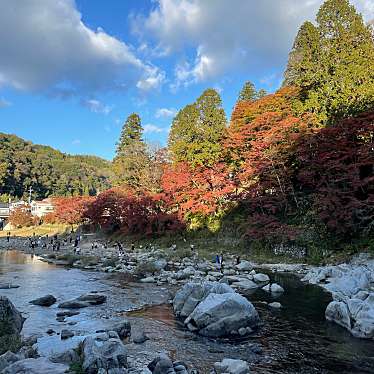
<point x="165" y="113"/>
<point x="227" y="35"/>
<point x="152" y="80"/>
<point x="4" y="103"/>
<point x="45" y="47"/>
<point x="149" y="128"/>
<point x="96" y="106"/>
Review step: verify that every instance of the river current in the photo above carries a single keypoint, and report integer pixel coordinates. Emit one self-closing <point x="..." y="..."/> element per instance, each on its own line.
<point x="295" y="339"/>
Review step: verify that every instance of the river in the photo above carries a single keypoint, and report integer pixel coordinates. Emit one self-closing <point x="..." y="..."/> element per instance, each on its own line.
<point x="296" y="339"/>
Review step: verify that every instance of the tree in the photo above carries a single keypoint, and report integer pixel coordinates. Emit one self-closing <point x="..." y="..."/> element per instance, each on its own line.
<point x="332" y="63"/>
<point x="131" y="156"/>
<point x="21" y="217"/>
<point x="131" y="133"/>
<point x="197" y="129"/>
<point x="248" y="92"/>
<point x="303" y="59"/>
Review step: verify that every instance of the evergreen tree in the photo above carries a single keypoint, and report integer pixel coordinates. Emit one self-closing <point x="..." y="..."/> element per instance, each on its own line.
<point x="332" y="63"/>
<point x="131" y="133"/>
<point x="261" y="93"/>
<point x="303" y="58"/>
<point x="248" y="92"/>
<point x="197" y="130"/>
<point x="131" y="155"/>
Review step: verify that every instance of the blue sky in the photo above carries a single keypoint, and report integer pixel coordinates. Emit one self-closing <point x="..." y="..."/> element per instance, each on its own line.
<point x="72" y="71"/>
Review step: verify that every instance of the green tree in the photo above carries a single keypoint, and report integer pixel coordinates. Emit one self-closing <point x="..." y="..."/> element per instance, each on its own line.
<point x="248" y="92"/>
<point x="197" y="129"/>
<point x="131" y="156"/>
<point x="304" y="57"/>
<point x="131" y="133"/>
<point x="333" y="63"/>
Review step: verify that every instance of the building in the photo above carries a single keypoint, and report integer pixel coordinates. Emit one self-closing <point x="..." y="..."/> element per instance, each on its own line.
<point x="42" y="208"/>
<point x="4" y="214"/>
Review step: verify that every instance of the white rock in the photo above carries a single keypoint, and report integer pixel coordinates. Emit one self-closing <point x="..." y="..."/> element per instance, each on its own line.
<point x="338" y="312"/>
<point x="273" y="288"/>
<point x="261" y="278"/>
<point x="275" y="305"/>
<point x="244" y="266"/>
<point x="230" y="366"/>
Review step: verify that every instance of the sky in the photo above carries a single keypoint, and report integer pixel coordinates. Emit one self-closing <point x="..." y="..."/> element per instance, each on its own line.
<point x="72" y="71"/>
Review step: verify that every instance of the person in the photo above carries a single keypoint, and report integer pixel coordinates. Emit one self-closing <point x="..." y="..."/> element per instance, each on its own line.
<point x="192" y="247"/>
<point x="221" y="261"/>
<point x="132" y="247"/>
<point x="8" y="236"/>
<point x="70" y="239"/>
<point x="76" y="242"/>
<point x="237" y="260"/>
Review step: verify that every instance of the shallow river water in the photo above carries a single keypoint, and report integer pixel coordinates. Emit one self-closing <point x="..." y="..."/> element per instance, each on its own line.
<point x="296" y="339"/>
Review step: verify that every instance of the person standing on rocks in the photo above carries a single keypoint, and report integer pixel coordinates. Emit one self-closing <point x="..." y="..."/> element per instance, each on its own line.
<point x="8" y="237"/>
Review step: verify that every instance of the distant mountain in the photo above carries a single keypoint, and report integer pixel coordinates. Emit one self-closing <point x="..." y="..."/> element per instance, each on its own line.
<point x="48" y="171"/>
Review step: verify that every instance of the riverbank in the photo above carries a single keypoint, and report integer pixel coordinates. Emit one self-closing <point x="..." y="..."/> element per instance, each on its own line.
<point x="144" y="270"/>
<point x="293" y="339"/>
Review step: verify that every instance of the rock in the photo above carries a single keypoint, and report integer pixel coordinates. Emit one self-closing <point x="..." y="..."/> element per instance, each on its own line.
<point x="230" y="366"/>
<point x="66" y="334"/>
<point x="217" y="315"/>
<point x="140" y="338"/>
<point x="50" y="331"/>
<point x="47" y="300"/>
<point x="7" y="359"/>
<point x="68" y="313"/>
<point x="11" y="319"/>
<point x="188" y="297"/>
<point x="122" y="328"/>
<point x="363" y="328"/>
<point x="93" y="298"/>
<point x="275" y="305"/>
<point x="11" y="322"/>
<point x="261" y="278"/>
<point x="161" y="365"/>
<point x="273" y="288"/>
<point x="73" y="304"/>
<point x="7" y="286"/>
<point x="338" y="312"/>
<point x="148" y="280"/>
<point x="244" y="266"/>
<point x="103" y="351"/>
<point x="35" y="366"/>
<point x="245" y="285"/>
<point x="68" y="357"/>
<point x="185" y="273"/>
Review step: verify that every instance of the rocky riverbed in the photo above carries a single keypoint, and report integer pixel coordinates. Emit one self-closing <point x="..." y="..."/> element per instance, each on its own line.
<point x="290" y="336"/>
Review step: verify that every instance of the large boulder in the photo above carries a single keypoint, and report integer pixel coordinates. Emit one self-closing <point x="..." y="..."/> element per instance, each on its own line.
<point x="163" y="365"/>
<point x="214" y="309"/>
<point x="244" y="265"/>
<point x="103" y="352"/>
<point x="220" y="315"/>
<point x="187" y="298"/>
<point x="84" y="301"/>
<point x="338" y="312"/>
<point x="35" y="366"/>
<point x="230" y="366"/>
<point x="7" y="359"/>
<point x="11" y="322"/>
<point x="47" y="300"/>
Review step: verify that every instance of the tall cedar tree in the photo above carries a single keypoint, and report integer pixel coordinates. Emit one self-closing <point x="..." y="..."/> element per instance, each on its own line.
<point x="131" y="157"/>
<point x="197" y="130"/>
<point x="333" y="63"/>
<point x="249" y="92"/>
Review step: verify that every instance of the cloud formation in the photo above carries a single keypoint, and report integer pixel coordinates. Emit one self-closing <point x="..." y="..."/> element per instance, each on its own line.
<point x="226" y="35"/>
<point x="96" y="106"/>
<point x="165" y="112"/>
<point x="4" y="103"/>
<point x="45" y="47"/>
<point x="149" y="128"/>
